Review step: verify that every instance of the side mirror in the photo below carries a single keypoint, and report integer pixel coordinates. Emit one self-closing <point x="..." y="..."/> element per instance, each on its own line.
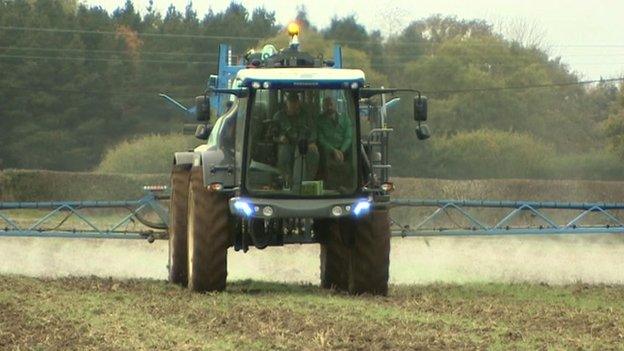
<point x="422" y="132"/>
<point x="202" y="108"/>
<point x="203" y="131"/>
<point x="420" y="108"/>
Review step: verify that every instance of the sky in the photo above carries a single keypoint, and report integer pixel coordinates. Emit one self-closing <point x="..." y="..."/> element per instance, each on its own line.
<point x="587" y="35"/>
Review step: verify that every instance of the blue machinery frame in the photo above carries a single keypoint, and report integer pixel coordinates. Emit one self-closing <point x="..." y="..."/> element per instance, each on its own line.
<point x="465" y="209"/>
<point x="116" y="230"/>
<point x="611" y="224"/>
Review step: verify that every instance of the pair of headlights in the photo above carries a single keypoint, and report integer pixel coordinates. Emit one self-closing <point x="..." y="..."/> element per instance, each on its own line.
<point x="358" y="209"/>
<point x="247" y="209"/>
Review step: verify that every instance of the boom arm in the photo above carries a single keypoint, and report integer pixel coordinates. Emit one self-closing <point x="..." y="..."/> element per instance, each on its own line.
<point x="190" y="111"/>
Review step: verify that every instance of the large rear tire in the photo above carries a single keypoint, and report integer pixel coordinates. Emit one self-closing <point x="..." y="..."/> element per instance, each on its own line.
<point x="334" y="256"/>
<point x="208" y="236"/>
<point x="178" y="206"/>
<point x="370" y="254"/>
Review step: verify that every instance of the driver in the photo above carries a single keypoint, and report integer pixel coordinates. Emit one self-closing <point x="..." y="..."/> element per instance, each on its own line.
<point x="297" y="138"/>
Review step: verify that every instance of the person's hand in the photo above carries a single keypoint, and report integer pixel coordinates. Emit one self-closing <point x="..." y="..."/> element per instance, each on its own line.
<point x="312" y="147"/>
<point x="338" y="155"/>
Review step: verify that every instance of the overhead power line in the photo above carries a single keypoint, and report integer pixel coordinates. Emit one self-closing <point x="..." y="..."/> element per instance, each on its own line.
<point x="49" y="49"/>
<point x="230" y="37"/>
<point x="65" y="58"/>
<point x="494" y="64"/>
<point x="141" y="34"/>
<point x="111" y="92"/>
<point x="522" y="87"/>
<point x="392" y="57"/>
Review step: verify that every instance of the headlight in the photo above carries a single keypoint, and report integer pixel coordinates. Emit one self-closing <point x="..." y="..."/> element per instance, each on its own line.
<point x="361" y="208"/>
<point x="267" y="211"/>
<point x="243" y="207"/>
<point x="336" y="211"/>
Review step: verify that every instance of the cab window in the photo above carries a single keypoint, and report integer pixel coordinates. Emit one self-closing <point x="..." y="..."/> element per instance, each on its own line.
<point x="301" y="142"/>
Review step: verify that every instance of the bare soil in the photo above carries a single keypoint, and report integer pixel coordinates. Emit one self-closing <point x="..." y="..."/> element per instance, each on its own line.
<point x="107" y="314"/>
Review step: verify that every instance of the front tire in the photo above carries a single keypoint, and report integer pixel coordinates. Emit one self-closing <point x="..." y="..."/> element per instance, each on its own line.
<point x="208" y="236"/>
<point x="178" y="206"/>
<point x="334" y="256"/>
<point x="370" y="254"/>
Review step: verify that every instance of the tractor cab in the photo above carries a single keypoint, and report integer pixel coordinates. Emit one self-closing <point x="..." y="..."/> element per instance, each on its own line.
<point x="301" y="132"/>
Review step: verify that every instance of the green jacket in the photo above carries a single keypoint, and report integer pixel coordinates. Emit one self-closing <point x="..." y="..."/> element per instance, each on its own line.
<point x="335" y="133"/>
<point x="298" y="127"/>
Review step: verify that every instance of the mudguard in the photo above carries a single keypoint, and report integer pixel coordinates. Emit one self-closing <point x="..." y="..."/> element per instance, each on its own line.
<point x="184" y="158"/>
<point x="218" y="168"/>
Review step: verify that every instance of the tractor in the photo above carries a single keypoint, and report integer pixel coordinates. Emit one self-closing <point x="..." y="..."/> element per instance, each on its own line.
<point x="298" y="154"/>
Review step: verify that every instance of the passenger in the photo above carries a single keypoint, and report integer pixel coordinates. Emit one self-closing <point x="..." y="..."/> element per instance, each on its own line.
<point x="297" y="137"/>
<point x="335" y="137"/>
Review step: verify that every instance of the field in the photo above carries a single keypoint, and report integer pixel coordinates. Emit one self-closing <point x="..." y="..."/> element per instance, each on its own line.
<point x="88" y="313"/>
<point x="446" y="293"/>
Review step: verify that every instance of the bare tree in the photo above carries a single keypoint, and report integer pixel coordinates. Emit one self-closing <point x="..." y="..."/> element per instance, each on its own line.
<point x="528" y="33"/>
<point x="391" y="19"/>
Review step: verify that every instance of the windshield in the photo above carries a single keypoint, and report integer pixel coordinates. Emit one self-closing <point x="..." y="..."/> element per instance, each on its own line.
<point x="302" y="142"/>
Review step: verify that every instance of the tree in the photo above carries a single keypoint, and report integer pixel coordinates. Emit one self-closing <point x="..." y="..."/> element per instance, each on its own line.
<point x="67" y="96"/>
<point x="302" y="18"/>
<point x="128" y="16"/>
<point x="614" y="127"/>
<point x="347" y="31"/>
